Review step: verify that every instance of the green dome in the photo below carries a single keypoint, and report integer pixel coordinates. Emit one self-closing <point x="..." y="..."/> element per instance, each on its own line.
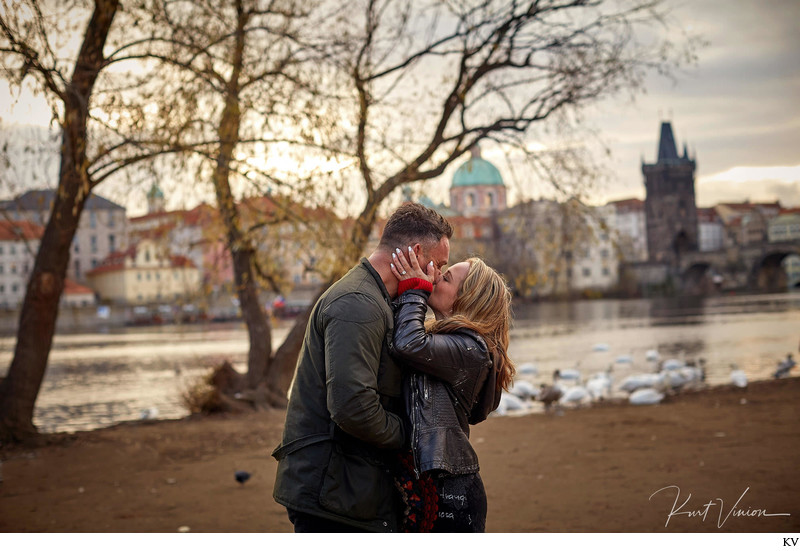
<point x="477" y="172"/>
<point x="155" y="192"/>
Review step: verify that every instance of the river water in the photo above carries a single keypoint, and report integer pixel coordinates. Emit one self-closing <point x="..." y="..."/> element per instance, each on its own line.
<point x="99" y="379"/>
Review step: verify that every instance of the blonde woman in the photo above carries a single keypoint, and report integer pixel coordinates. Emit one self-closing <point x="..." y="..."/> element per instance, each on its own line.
<point x="457" y="366"/>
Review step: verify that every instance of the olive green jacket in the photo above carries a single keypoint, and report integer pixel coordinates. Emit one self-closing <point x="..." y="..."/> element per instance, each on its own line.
<point x="344" y="422"/>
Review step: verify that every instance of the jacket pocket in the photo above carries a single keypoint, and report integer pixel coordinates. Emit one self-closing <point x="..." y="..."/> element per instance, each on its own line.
<point x="356" y="488"/>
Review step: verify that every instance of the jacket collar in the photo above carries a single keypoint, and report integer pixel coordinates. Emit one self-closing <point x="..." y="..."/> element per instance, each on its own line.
<point x="366" y="264"/>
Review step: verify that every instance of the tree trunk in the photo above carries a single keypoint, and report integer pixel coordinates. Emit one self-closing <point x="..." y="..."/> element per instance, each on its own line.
<point x="37" y="320"/>
<point x="258" y="326"/>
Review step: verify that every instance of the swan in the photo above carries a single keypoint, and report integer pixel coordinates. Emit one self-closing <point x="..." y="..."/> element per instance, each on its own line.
<point x="645" y="397"/>
<point x="673" y="363"/>
<point x="652" y="355"/>
<point x="528" y="369"/>
<point x="600" y="347"/>
<point x="524" y="390"/>
<point x="508" y="402"/>
<point x="599" y="384"/>
<point x="566" y="374"/>
<point x="574" y="395"/>
<point x="784" y="367"/>
<point x="549" y="394"/>
<point x="624" y="359"/>
<point x="642" y="380"/>
<point x="738" y="377"/>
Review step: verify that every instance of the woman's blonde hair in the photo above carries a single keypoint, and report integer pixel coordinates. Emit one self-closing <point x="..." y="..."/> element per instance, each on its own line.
<point x="483" y="304"/>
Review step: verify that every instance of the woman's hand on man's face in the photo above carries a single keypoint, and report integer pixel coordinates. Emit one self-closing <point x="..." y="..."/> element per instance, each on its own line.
<point x="406" y="266"/>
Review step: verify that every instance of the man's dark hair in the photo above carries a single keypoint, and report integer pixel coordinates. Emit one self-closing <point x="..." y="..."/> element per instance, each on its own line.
<point x="413" y="222"/>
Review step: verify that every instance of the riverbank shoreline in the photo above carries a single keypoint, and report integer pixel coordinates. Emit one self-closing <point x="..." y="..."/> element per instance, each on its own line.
<point x="614" y="468"/>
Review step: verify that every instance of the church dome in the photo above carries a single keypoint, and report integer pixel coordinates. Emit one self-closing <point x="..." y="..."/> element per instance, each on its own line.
<point x="477" y="172"/>
<point x="155" y="192"/>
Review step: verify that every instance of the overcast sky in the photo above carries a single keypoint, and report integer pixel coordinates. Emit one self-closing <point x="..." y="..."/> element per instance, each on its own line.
<point x="738" y="109"/>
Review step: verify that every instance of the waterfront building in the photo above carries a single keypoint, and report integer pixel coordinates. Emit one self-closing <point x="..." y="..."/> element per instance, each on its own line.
<point x="710" y="230"/>
<point x="101" y="231"/>
<point x="785" y="227"/>
<point x="670" y="209"/>
<point x="19" y="241"/>
<point x="630" y="229"/>
<point x="145" y="273"/>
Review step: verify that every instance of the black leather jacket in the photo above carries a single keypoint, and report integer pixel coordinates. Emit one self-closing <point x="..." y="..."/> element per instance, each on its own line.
<point x="452" y="385"/>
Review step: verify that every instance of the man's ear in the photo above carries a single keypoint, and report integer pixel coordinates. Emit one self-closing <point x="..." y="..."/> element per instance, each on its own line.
<point x="417" y="248"/>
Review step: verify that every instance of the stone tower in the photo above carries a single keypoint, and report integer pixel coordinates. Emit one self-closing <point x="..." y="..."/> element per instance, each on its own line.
<point x="670" y="208"/>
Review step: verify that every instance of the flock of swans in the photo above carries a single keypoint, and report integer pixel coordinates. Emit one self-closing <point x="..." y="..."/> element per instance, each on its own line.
<point x="569" y="388"/>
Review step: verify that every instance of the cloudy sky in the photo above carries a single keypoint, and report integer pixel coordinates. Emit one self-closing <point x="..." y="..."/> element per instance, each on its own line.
<point x="738" y="109"/>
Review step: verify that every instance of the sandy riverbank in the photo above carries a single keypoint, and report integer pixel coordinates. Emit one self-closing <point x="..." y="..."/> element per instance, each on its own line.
<point x="590" y="470"/>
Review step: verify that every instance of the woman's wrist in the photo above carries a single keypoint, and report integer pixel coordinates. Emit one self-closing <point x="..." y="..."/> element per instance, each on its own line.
<point x="414" y="283"/>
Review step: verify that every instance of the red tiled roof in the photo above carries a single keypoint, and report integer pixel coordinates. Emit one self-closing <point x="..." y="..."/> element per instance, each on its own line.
<point x="11" y="230"/>
<point x="627" y="205"/>
<point x="73" y="288"/>
<point x="116" y="261"/>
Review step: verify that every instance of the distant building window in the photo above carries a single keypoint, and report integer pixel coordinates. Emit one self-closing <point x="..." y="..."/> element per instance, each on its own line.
<point x="92" y="219"/>
<point x="1" y="268"/>
<point x="112" y="243"/>
<point x="1" y="250"/>
<point x="587" y="272"/>
<point x="111" y="219"/>
<point x="158" y="275"/>
<point x="490" y="197"/>
<point x="470" y="199"/>
<point x="138" y="276"/>
<point x="148" y="276"/>
<point x="13" y="268"/>
<point x="2" y="288"/>
<point x="606" y="272"/>
<point x="77" y="268"/>
<point x="147" y="256"/>
<point x="12" y="249"/>
<point x="94" y="263"/>
<point x="94" y="243"/>
<point x="14" y="288"/>
<point x="25" y="269"/>
<point x="569" y="272"/>
<point x="604" y="253"/>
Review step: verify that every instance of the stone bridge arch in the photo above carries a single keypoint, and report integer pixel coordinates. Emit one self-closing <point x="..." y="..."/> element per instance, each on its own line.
<point x="768" y="274"/>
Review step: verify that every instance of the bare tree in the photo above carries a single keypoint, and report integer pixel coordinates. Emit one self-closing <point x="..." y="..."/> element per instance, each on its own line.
<point x="37" y="45"/>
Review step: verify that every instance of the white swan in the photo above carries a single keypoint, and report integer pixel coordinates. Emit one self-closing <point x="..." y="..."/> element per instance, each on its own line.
<point x="528" y="369"/>
<point x="652" y="355"/>
<point x="738" y="377"/>
<point x="575" y="395"/>
<point x="600" y="347"/>
<point x="642" y="380"/>
<point x="599" y="385"/>
<point x="645" y="397"/>
<point x="624" y="359"/>
<point x="673" y="363"/>
<point x="524" y="390"/>
<point x="566" y="374"/>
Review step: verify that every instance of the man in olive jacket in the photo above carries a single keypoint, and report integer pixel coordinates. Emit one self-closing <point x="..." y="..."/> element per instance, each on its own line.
<point x="344" y="422"/>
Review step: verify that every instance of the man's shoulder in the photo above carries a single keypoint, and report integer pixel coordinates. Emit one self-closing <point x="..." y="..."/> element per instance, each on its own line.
<point x="356" y="298"/>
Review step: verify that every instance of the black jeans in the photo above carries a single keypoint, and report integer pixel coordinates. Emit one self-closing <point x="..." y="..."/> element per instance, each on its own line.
<point x="305" y="523"/>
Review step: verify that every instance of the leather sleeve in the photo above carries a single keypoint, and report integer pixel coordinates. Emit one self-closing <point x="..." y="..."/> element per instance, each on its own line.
<point x="455" y="358"/>
<point x="354" y="333"/>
